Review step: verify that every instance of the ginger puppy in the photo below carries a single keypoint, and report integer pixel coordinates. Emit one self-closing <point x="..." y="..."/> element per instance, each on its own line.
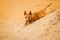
<point x="31" y="17"/>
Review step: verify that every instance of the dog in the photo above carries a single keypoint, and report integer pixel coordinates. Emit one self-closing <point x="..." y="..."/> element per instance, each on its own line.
<point x="31" y="17"/>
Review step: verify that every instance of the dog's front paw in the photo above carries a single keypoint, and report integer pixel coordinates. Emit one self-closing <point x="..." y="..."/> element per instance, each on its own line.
<point x="25" y="24"/>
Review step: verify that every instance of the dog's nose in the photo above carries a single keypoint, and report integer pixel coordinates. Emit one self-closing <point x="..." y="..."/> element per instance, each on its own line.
<point x="27" y="20"/>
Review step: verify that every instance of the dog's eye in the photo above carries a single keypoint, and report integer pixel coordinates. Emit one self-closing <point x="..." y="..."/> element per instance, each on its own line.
<point x="28" y="17"/>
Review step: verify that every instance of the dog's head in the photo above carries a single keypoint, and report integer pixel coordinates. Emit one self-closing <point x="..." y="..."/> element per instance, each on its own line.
<point x="28" y="16"/>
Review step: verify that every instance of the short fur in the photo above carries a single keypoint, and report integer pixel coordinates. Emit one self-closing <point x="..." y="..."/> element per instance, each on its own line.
<point x="31" y="17"/>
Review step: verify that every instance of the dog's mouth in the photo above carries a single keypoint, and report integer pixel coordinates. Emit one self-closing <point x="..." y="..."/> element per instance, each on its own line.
<point x="29" y="21"/>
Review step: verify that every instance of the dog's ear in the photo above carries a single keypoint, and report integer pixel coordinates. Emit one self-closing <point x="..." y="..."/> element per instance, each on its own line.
<point x="30" y="13"/>
<point x="25" y="13"/>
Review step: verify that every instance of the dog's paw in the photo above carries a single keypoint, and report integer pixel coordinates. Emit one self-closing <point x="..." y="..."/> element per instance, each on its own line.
<point x="25" y="24"/>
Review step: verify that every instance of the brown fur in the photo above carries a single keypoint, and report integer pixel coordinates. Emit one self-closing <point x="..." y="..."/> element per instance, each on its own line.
<point x="31" y="17"/>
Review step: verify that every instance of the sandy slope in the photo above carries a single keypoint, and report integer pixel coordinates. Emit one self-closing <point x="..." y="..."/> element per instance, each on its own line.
<point x="12" y="28"/>
<point x="46" y="28"/>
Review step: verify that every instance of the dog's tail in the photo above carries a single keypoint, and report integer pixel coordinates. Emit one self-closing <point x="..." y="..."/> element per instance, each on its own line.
<point x="47" y="6"/>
